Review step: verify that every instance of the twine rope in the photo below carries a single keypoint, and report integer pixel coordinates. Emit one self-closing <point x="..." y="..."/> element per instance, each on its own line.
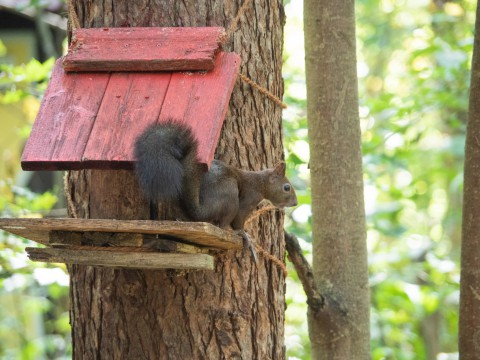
<point x="233" y="25"/>
<point x="263" y="90"/>
<point x="231" y="29"/>
<point x="259" y="212"/>
<point x="260" y="250"/>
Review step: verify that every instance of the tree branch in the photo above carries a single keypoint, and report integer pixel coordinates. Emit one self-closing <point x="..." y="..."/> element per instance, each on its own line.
<point x="304" y="270"/>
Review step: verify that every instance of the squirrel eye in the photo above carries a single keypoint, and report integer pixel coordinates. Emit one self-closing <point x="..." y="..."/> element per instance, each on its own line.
<point x="287" y="187"/>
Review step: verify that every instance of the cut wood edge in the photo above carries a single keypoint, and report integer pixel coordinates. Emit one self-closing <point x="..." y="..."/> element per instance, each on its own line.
<point x="117" y="259"/>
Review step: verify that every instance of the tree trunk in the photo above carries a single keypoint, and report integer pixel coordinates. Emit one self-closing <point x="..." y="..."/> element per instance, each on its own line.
<point x="339" y="329"/>
<point x="237" y="310"/>
<point x="469" y="326"/>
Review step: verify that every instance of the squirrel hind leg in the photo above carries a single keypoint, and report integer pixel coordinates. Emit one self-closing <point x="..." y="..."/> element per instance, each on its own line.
<point x="223" y="213"/>
<point x="219" y="200"/>
<point x="227" y="211"/>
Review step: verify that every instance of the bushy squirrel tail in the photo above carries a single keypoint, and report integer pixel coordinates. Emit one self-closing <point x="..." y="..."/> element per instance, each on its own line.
<point x="164" y="153"/>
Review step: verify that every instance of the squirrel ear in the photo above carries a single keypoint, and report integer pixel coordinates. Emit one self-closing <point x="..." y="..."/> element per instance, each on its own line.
<point x="280" y="169"/>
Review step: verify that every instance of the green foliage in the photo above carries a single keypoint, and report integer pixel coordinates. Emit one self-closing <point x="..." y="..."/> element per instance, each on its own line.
<point x="34" y="320"/>
<point x="414" y="69"/>
<point x="17" y="82"/>
<point x="413" y="116"/>
<point x="33" y="296"/>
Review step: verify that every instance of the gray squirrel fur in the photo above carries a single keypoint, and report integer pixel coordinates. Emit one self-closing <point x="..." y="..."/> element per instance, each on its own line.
<point x="167" y="169"/>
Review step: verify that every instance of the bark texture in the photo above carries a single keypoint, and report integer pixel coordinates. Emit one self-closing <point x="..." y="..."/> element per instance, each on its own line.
<point x="236" y="311"/>
<point x="469" y="326"/>
<point x="339" y="329"/>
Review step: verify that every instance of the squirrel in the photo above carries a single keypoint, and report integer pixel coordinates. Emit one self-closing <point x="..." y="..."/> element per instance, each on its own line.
<point x="167" y="168"/>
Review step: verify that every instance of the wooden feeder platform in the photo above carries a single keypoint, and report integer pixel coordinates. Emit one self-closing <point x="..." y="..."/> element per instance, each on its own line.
<point x="145" y="244"/>
<point x="112" y="84"/>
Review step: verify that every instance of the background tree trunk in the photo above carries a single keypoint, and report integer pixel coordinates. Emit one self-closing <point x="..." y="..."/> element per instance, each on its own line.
<point x="469" y="326"/>
<point x="236" y="311"/>
<point x="340" y="328"/>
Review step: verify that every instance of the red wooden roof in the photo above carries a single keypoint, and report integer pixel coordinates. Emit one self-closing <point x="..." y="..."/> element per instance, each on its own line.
<point x="90" y="120"/>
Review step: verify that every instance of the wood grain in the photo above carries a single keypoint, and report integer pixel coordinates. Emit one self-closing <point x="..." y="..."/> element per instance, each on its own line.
<point x="143" y="49"/>
<point x="201" y="100"/>
<point x="65" y="120"/>
<point x="137" y="260"/>
<point x="199" y="233"/>
<point x="132" y="102"/>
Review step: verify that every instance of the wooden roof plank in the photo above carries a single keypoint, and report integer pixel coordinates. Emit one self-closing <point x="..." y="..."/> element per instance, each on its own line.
<point x="131" y="102"/>
<point x="65" y="119"/>
<point x="143" y="49"/>
<point x="198" y="233"/>
<point x="201" y="100"/>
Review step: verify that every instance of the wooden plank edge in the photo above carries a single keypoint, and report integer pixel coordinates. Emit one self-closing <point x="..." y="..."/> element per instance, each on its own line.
<point x="134" y="260"/>
<point x="140" y="65"/>
<point x="152" y="32"/>
<point x="226" y="240"/>
<point x="34" y="165"/>
<point x="227" y="57"/>
<point x="85" y="164"/>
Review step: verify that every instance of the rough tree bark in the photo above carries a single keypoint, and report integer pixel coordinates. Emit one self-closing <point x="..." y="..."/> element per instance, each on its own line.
<point x="469" y="326"/>
<point x="339" y="324"/>
<point x="236" y="311"/>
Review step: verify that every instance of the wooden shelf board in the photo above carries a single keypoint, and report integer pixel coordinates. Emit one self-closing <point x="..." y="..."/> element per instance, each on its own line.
<point x="197" y="233"/>
<point x="121" y="259"/>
